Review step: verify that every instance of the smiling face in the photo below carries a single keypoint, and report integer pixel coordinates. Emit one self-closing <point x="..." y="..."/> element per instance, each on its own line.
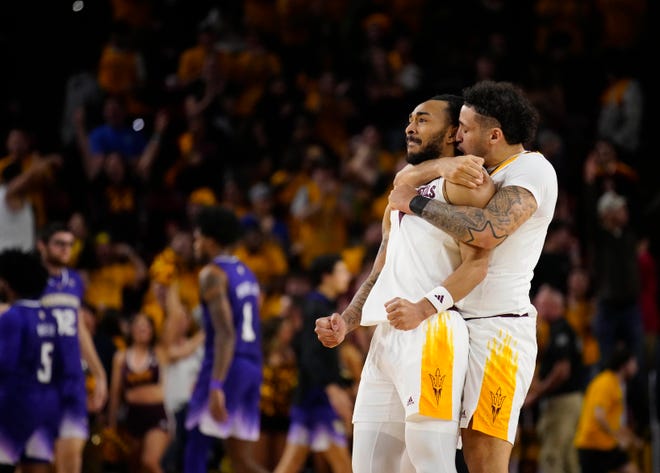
<point x="429" y="133"/>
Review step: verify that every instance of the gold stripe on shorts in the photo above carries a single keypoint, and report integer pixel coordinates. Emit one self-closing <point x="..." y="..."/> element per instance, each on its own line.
<point x="497" y="388"/>
<point x="437" y="369"/>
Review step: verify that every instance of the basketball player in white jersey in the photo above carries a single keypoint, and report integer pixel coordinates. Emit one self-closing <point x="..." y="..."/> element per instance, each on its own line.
<point x="408" y="404"/>
<point x="495" y="123"/>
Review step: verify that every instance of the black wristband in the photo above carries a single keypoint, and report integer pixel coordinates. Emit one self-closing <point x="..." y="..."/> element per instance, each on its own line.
<point x="418" y="203"/>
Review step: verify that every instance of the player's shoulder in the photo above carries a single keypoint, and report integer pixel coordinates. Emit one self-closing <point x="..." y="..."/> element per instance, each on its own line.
<point x="534" y="159"/>
<point x="529" y="166"/>
<point x="11" y="315"/>
<point x="210" y="269"/>
<point x="212" y="275"/>
<point x="75" y="276"/>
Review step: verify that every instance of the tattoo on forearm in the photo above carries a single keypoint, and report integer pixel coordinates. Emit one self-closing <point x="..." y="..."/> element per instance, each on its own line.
<point x="353" y="313"/>
<point x="505" y="212"/>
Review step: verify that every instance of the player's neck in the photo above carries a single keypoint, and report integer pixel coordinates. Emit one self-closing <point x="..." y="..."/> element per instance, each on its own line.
<point x="502" y="155"/>
<point x="55" y="270"/>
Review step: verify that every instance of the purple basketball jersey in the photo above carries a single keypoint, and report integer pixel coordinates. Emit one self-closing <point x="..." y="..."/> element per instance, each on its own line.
<point x="30" y="367"/>
<point x="245" y="373"/>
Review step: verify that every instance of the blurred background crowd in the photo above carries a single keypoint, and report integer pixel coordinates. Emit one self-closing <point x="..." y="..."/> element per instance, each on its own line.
<point x="123" y="117"/>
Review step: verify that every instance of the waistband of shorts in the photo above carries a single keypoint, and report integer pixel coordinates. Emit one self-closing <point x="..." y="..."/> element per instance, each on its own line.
<point x="506" y="316"/>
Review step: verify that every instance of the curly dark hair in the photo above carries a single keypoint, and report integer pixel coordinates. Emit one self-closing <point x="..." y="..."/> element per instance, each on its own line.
<point x="220" y="224"/>
<point x="506" y="103"/>
<point x="23" y="273"/>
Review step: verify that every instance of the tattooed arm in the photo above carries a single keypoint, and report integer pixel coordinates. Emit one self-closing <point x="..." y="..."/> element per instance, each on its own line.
<point x="485" y="228"/>
<point x="331" y="330"/>
<point x="213" y="291"/>
<point x="404" y="314"/>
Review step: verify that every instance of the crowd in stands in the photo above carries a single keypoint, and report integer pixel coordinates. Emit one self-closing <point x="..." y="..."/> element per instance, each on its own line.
<point x="292" y="113"/>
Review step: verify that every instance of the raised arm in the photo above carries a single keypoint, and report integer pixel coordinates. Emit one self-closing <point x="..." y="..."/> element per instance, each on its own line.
<point x="175" y="315"/>
<point x="148" y="157"/>
<point x="485" y="228"/>
<point x="32" y="178"/>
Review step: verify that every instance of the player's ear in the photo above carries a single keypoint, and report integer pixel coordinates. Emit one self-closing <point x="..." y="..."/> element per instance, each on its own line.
<point x="496" y="134"/>
<point x="451" y="134"/>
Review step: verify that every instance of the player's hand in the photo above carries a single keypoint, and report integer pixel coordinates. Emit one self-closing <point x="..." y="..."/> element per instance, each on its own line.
<point x="409" y="174"/>
<point x="331" y="330"/>
<point x="401" y="196"/>
<point x="465" y="171"/>
<point x="217" y="405"/>
<point x="99" y="396"/>
<point x="406" y="315"/>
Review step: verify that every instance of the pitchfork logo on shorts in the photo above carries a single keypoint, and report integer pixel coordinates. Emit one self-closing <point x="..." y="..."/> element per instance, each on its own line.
<point x="437" y="381"/>
<point x="496" y="399"/>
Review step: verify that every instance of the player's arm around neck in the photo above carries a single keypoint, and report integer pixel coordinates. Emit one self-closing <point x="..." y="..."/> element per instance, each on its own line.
<point x="405" y="315"/>
<point x="509" y="208"/>
<point x="461" y="170"/>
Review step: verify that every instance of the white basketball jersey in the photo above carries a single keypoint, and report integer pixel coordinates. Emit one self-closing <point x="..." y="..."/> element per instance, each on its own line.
<point x="419" y="257"/>
<point x="506" y="287"/>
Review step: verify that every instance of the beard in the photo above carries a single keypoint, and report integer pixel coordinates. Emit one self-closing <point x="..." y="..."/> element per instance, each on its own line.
<point x="55" y="262"/>
<point x="431" y="150"/>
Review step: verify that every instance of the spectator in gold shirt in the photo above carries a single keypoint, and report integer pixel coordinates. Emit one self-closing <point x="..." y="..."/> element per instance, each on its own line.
<point x="603" y="436"/>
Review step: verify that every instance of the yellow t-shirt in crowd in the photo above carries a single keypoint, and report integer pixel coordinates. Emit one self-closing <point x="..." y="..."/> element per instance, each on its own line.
<point x="604" y="392"/>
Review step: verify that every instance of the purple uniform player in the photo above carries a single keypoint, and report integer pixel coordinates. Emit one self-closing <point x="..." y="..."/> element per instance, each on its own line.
<point x="30" y="364"/>
<point x="62" y="296"/>
<point x="225" y="400"/>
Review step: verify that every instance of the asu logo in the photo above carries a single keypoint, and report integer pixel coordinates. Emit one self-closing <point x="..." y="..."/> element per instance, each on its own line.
<point x="498" y="386"/>
<point x="437" y="369"/>
<point x="437" y="381"/>
<point x="496" y="402"/>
